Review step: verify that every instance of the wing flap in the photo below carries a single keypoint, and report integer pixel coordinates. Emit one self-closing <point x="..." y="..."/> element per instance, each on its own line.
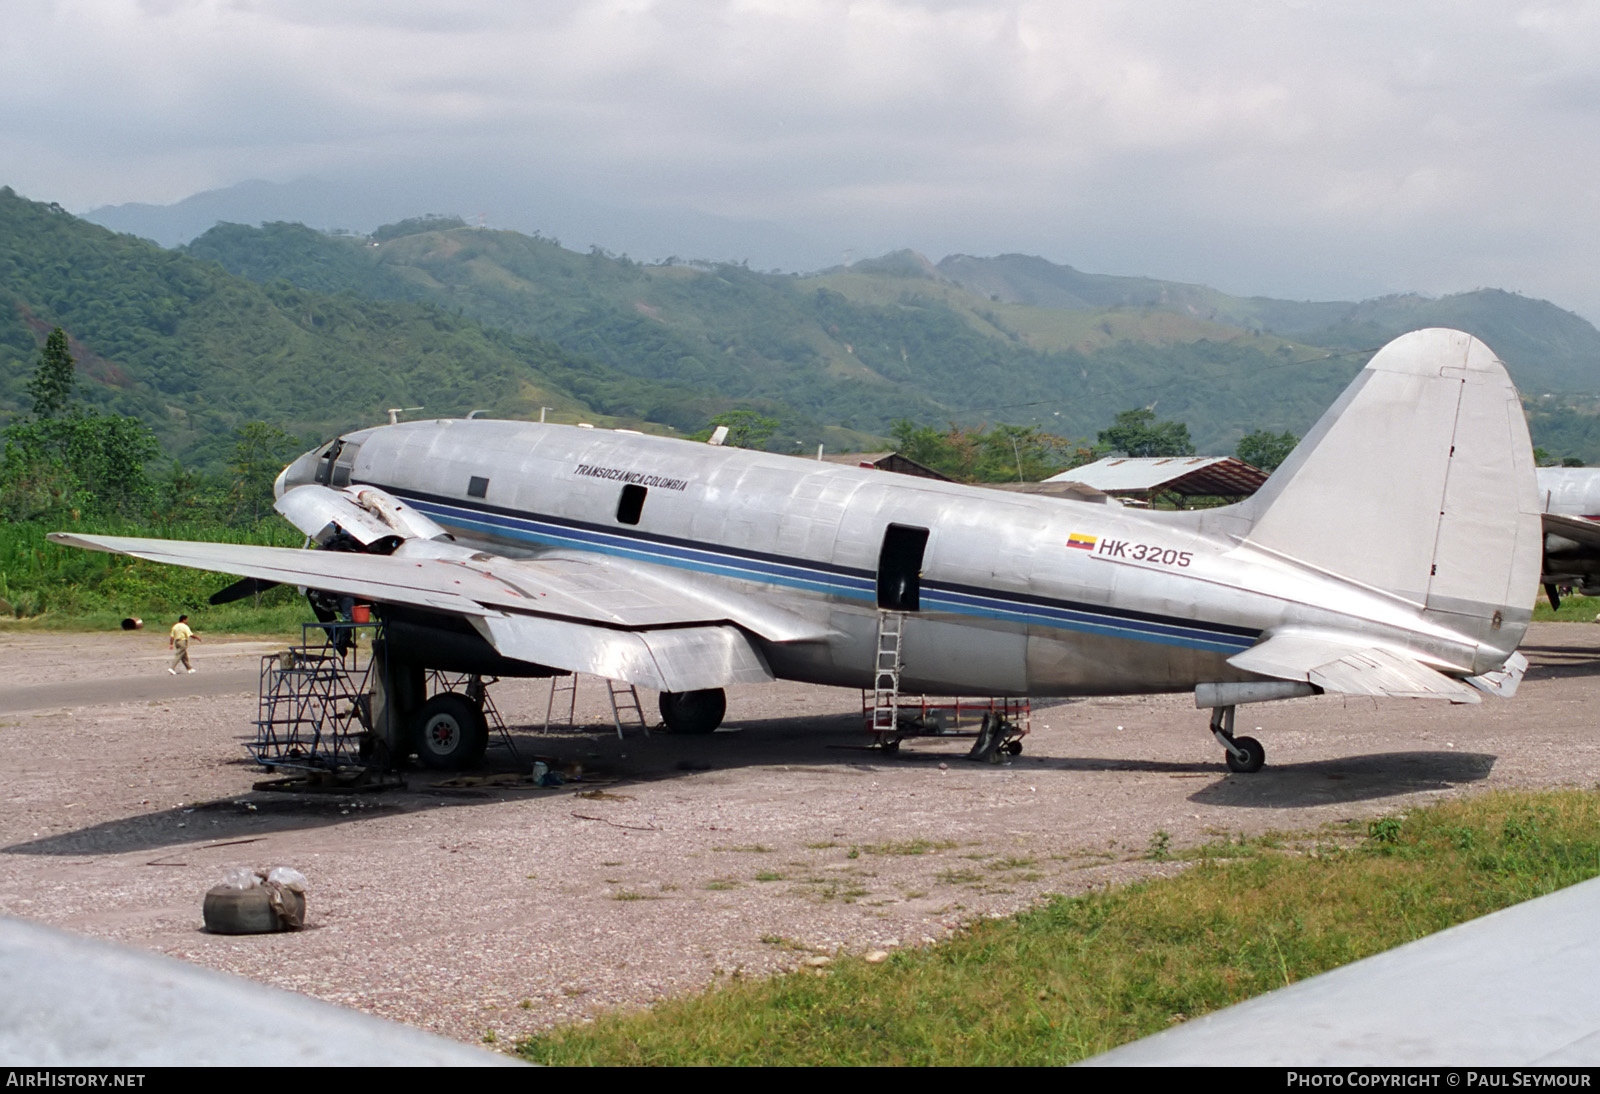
<point x="1335" y="663"/>
<point x="1502" y="681"/>
<point x="675" y="659"/>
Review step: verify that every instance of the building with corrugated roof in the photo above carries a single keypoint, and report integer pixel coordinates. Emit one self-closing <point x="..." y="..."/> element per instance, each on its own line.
<point x="886" y="461"/>
<point x="1185" y="476"/>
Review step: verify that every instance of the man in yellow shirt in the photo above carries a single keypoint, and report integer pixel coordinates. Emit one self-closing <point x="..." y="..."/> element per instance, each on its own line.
<point x="180" y="638"/>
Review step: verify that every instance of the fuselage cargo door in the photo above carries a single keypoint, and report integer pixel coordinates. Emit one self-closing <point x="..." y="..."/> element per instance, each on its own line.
<point x="900" y="568"/>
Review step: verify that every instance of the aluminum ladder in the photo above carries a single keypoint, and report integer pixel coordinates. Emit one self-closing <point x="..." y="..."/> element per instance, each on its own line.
<point x="886" y="673"/>
<point x="625" y="700"/>
<point x="563" y="705"/>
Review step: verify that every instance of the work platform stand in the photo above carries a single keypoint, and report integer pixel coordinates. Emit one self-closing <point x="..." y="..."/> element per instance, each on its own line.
<point x="316" y="705"/>
<point x="322" y="710"/>
<point x="998" y="725"/>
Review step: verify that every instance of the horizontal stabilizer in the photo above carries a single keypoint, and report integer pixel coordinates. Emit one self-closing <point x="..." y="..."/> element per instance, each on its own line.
<point x="1502" y="681"/>
<point x="1335" y="663"/>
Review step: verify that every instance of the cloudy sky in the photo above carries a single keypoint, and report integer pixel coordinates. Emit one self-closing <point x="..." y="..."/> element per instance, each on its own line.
<point x="1296" y="148"/>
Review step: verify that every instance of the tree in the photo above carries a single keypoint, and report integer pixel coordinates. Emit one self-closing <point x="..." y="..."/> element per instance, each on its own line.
<point x="928" y="446"/>
<point x="82" y="462"/>
<point x="1003" y="453"/>
<point x="1137" y="432"/>
<point x="53" y="379"/>
<point x="259" y="453"/>
<point x="746" y="429"/>
<point x="1266" y="450"/>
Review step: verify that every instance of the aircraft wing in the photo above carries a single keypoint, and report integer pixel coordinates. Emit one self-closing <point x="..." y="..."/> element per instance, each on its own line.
<point x="1338" y="663"/>
<point x="577" y="612"/>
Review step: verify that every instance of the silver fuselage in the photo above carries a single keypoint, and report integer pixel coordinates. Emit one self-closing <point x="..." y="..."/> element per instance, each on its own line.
<point x="1019" y="594"/>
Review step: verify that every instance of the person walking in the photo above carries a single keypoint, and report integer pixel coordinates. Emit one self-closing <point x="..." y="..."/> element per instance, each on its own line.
<point x="179" y="642"/>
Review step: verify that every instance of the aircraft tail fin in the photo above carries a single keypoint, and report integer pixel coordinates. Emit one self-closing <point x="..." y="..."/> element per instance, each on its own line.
<point x="1418" y="481"/>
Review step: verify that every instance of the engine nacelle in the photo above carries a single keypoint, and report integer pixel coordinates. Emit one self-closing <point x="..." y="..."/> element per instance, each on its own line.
<point x="364" y="513"/>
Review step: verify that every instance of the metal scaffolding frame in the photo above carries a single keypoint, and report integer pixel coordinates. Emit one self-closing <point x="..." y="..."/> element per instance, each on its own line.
<point x="315" y="709"/>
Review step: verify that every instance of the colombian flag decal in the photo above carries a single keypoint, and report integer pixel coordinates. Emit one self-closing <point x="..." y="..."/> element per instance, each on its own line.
<point x="1081" y="542"/>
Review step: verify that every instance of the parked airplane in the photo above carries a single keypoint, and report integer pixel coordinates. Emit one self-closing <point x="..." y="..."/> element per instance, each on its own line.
<point x="1570" y="498"/>
<point x="1395" y="553"/>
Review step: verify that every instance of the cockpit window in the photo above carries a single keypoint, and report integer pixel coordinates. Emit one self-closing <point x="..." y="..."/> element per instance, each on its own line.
<point x="324" y="473"/>
<point x="478" y="487"/>
<point x="344" y="462"/>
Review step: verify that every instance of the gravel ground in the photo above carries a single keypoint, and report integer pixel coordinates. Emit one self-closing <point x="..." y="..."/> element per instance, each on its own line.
<point x="491" y="910"/>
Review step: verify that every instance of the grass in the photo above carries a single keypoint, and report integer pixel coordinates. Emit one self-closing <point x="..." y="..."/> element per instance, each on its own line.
<point x="1081" y="975"/>
<point x="47" y="587"/>
<point x="906" y="847"/>
<point x="240" y="618"/>
<point x="1574" y="609"/>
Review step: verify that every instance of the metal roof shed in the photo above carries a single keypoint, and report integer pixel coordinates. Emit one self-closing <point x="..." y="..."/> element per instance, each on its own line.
<point x="1187" y="476"/>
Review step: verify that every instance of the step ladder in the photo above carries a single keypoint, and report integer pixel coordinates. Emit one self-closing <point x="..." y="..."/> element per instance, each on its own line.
<point x="625" y="700"/>
<point x="563" y="704"/>
<point x="563" y="689"/>
<point x="886" y="672"/>
<point x="314" y="712"/>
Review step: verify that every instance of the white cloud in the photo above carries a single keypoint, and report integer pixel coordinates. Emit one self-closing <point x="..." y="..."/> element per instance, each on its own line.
<point x="1335" y="147"/>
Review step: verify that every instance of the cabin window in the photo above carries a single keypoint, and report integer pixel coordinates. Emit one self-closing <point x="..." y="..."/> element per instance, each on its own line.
<point x="478" y="487"/>
<point x="900" y="568"/>
<point x="631" y="504"/>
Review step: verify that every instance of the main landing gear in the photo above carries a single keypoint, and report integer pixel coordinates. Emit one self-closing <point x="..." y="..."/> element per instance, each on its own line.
<point x="452" y="732"/>
<point x="1244" y="754"/>
<point x="693" y="712"/>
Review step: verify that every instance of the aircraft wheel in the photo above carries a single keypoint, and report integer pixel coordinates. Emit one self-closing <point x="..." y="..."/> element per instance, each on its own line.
<point x="1254" y="755"/>
<point x="451" y="732"/>
<point x="693" y="712"/>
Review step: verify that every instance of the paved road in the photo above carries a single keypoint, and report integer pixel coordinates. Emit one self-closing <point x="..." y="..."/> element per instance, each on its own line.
<point x="51" y="671"/>
<point x="127" y="689"/>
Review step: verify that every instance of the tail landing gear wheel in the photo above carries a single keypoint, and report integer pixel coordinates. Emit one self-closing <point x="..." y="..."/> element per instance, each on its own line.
<point x="1253" y="755"/>
<point x="693" y="712"/>
<point x="451" y="733"/>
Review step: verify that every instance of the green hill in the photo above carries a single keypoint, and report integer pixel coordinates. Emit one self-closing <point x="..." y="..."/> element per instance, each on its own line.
<point x="859" y="348"/>
<point x="314" y="332"/>
<point x="1548" y="349"/>
<point x="194" y="351"/>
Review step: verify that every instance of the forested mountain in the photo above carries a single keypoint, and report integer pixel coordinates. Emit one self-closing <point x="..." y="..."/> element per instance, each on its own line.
<point x="195" y="351"/>
<point x="1548" y="349"/>
<point x="1013" y="338"/>
<point x="859" y="348"/>
<point x="314" y="332"/>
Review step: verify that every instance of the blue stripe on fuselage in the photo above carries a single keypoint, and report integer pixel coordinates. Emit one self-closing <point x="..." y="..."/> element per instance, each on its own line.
<point x="835" y="582"/>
